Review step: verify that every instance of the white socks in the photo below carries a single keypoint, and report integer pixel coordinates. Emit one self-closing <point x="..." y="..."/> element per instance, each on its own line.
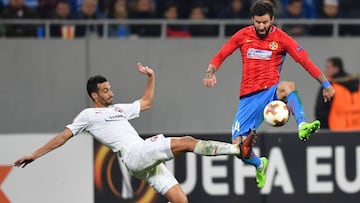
<point x="213" y="148"/>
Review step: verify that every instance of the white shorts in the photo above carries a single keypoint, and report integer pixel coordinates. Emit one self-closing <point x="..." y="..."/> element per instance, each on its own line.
<point x="144" y="160"/>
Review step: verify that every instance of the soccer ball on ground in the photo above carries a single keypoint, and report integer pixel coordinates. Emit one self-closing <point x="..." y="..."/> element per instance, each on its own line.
<point x="276" y="113"/>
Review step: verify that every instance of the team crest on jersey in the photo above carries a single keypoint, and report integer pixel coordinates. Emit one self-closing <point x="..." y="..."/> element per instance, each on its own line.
<point x="118" y="109"/>
<point x="273" y="45"/>
<point x="154" y="138"/>
<point x="259" y="54"/>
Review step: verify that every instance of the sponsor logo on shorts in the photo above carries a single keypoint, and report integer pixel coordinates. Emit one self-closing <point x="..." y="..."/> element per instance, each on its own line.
<point x="259" y="54"/>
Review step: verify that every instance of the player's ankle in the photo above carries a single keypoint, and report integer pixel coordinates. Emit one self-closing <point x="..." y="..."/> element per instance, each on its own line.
<point x="300" y="124"/>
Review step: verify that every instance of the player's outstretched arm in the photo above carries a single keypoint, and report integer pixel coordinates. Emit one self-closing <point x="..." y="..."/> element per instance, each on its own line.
<point x="147" y="98"/>
<point x="54" y="143"/>
<point x="210" y="78"/>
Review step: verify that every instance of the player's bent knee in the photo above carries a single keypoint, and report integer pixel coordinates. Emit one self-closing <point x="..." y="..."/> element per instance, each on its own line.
<point x="290" y="85"/>
<point x="183" y="144"/>
<point x="189" y="142"/>
<point x="286" y="87"/>
<point x="188" y="138"/>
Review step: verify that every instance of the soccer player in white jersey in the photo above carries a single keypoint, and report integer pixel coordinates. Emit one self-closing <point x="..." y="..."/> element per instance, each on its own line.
<point x="108" y="123"/>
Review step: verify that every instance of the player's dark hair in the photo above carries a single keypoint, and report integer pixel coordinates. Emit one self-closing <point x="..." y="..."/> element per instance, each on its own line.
<point x="262" y="7"/>
<point x="92" y="84"/>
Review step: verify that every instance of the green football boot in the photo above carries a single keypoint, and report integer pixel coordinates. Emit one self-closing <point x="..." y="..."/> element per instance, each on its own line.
<point x="260" y="174"/>
<point x="307" y="129"/>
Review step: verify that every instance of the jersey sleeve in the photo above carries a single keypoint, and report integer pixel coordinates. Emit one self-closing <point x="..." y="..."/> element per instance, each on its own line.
<point x="226" y="50"/>
<point x="300" y="55"/>
<point x="131" y="110"/>
<point x="79" y="124"/>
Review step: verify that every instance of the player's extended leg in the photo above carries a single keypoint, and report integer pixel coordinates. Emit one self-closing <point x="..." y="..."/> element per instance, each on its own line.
<point x="248" y="117"/>
<point x="259" y="163"/>
<point x="162" y="149"/>
<point x="180" y="145"/>
<point x="287" y="91"/>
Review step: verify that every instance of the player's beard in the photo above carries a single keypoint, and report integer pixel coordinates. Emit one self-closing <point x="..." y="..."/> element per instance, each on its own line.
<point x="263" y="36"/>
<point x="105" y="102"/>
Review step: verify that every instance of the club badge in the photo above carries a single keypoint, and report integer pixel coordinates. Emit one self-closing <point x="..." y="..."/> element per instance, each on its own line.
<point x="273" y="45"/>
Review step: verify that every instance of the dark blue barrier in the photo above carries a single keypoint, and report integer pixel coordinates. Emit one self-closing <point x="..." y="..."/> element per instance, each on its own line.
<point x="325" y="169"/>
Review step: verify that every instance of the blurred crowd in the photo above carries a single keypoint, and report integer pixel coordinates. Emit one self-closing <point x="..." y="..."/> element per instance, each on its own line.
<point x="170" y="10"/>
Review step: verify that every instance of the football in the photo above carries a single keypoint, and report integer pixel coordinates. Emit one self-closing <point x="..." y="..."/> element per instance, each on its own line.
<point x="276" y="113"/>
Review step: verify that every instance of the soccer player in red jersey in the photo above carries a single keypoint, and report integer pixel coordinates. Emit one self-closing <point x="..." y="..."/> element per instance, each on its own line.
<point x="263" y="47"/>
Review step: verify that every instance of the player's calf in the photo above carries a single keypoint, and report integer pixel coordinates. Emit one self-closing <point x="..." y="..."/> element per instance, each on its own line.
<point x="247" y="145"/>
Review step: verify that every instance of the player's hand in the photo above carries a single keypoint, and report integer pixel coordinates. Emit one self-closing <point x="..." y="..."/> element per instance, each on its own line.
<point x="22" y="162"/>
<point x="209" y="79"/>
<point x="145" y="70"/>
<point x="328" y="93"/>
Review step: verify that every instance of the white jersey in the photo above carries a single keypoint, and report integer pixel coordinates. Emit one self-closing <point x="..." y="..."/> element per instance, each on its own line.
<point x="109" y="125"/>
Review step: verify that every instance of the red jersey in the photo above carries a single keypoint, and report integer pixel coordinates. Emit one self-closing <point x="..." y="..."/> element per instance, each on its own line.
<point x="262" y="59"/>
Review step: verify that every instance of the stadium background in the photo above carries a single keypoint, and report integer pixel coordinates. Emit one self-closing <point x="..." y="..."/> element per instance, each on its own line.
<point x="43" y="88"/>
